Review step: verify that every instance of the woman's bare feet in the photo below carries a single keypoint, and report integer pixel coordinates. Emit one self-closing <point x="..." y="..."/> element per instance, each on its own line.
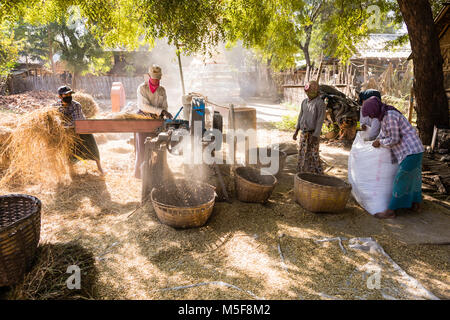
<point x="388" y="214"/>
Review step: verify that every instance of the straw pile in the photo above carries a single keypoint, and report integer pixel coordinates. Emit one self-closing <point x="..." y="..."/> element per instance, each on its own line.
<point x="88" y="105"/>
<point x="5" y="133"/>
<point x="39" y="148"/>
<point x="7" y="123"/>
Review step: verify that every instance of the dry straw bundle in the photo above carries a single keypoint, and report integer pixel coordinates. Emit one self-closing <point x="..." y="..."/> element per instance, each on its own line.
<point x="129" y="116"/>
<point x="7" y="124"/>
<point x="88" y="105"/>
<point x="39" y="148"/>
<point x="5" y="133"/>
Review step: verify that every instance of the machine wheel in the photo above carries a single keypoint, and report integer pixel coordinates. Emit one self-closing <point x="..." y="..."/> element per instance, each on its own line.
<point x="218" y="121"/>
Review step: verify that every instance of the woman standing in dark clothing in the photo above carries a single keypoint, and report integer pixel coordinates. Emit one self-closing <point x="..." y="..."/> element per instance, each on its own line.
<point x="86" y="148"/>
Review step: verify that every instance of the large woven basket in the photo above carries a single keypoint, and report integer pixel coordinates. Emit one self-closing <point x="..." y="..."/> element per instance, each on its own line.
<point x="20" y="226"/>
<point x="319" y="193"/>
<point x="252" y="186"/>
<point x="281" y="160"/>
<point x="185" y="217"/>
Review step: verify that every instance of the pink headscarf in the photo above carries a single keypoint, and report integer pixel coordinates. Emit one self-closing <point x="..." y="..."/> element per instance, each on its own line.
<point x="374" y="108"/>
<point x="153" y="84"/>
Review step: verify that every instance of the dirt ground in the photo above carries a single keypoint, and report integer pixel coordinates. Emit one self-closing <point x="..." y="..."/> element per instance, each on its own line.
<point x="245" y="251"/>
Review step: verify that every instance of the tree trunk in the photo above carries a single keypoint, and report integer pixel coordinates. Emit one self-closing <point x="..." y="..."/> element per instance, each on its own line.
<point x="305" y="49"/>
<point x="50" y="52"/>
<point x="74" y="80"/>
<point x="432" y="104"/>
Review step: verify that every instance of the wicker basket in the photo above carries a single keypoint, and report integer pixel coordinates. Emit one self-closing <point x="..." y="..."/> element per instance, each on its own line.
<point x="282" y="160"/>
<point x="20" y="226"/>
<point x="185" y="217"/>
<point x="319" y="193"/>
<point x="253" y="187"/>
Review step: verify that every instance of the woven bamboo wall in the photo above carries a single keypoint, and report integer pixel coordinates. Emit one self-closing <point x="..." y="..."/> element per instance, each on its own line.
<point x="97" y="86"/>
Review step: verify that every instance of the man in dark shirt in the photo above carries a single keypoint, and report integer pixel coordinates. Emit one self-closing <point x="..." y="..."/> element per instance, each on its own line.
<point x="86" y="148"/>
<point x="310" y="122"/>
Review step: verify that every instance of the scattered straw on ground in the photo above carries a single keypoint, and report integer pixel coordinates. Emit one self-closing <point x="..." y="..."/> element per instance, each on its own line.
<point x="244" y="251"/>
<point x="47" y="279"/>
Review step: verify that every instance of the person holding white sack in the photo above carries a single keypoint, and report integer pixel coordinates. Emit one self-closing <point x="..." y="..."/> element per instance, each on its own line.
<point x="398" y="136"/>
<point x="371" y="174"/>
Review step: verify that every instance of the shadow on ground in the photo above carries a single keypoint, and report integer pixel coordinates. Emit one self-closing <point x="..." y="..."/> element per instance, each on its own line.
<point x="47" y="278"/>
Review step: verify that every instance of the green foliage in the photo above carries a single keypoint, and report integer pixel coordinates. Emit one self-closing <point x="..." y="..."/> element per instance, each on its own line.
<point x="80" y="49"/>
<point x="266" y="26"/>
<point x="288" y="123"/>
<point x="436" y="6"/>
<point x="9" y="49"/>
<point x="280" y="31"/>
<point x="36" y="40"/>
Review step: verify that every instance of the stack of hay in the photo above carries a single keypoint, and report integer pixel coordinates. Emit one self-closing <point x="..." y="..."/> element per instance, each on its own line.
<point x="38" y="148"/>
<point x="5" y="133"/>
<point x="88" y="105"/>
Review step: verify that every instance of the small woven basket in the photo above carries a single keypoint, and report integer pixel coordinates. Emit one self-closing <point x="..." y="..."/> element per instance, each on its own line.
<point x="185" y="217"/>
<point x="20" y="226"/>
<point x="253" y="187"/>
<point x="319" y="193"/>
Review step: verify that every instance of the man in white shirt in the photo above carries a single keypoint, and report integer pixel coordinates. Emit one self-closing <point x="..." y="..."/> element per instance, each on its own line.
<point x="151" y="102"/>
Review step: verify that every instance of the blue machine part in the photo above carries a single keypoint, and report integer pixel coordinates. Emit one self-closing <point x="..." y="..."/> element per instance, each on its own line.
<point x="198" y="105"/>
<point x="174" y="120"/>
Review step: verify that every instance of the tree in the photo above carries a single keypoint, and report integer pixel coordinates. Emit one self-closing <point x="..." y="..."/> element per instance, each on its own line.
<point x="37" y="41"/>
<point x="432" y="103"/>
<point x="80" y="49"/>
<point x="9" y="49"/>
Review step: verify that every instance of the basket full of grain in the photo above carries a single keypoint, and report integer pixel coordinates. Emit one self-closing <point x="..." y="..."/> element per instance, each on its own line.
<point x="254" y="185"/>
<point x="184" y="204"/>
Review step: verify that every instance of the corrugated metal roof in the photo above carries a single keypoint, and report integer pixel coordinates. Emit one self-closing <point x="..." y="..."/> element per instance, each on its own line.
<point x="375" y="47"/>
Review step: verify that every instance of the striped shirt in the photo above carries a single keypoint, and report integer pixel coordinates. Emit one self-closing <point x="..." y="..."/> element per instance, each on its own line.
<point x="71" y="112"/>
<point x="400" y="136"/>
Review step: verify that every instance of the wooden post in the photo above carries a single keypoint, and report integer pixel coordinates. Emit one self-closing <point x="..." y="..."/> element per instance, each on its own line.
<point x="411" y="105"/>
<point x="181" y="71"/>
<point x="247" y="151"/>
<point x="146" y="179"/>
<point x="434" y="139"/>
<point x="320" y="71"/>
<point x="366" y="71"/>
